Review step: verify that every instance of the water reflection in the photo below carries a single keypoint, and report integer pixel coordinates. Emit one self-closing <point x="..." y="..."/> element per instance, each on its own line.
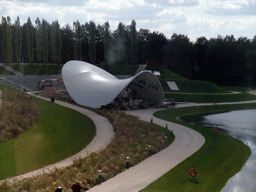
<point x="240" y="125"/>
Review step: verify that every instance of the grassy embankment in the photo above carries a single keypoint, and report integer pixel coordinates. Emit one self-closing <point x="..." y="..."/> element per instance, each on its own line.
<point x="59" y="133"/>
<point x="200" y="91"/>
<point x="132" y="138"/>
<point x="219" y="159"/>
<point x="34" y="69"/>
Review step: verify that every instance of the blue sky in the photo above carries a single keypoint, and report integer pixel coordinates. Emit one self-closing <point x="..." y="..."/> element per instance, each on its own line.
<point x="194" y="18"/>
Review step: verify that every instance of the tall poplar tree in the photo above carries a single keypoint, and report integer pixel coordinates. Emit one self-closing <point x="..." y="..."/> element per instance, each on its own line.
<point x="55" y="42"/>
<point x="30" y="40"/>
<point x="17" y="40"/>
<point x="45" y="40"/>
<point x="92" y="41"/>
<point x="9" y="40"/>
<point x="107" y="40"/>
<point x="4" y="38"/>
<point x="78" y="40"/>
<point x="39" y="40"/>
<point x="134" y="42"/>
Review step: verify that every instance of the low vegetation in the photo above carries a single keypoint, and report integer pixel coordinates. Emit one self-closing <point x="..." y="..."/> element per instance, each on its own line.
<point x="132" y="138"/>
<point x="18" y="113"/>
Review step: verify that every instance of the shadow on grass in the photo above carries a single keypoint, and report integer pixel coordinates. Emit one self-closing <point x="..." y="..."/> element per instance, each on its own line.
<point x="194" y="181"/>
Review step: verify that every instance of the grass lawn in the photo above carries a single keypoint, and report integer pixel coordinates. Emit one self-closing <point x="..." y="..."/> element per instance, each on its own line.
<point x="59" y="133"/>
<point x="194" y="86"/>
<point x="210" y="98"/>
<point x="38" y="68"/>
<point x="219" y="159"/>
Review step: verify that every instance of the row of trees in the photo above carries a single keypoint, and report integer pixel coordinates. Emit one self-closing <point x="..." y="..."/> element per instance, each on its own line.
<point x="223" y="60"/>
<point x="45" y="42"/>
<point x="40" y="43"/>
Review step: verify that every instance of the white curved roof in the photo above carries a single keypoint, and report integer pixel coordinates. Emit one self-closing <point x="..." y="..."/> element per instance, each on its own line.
<point x="92" y="86"/>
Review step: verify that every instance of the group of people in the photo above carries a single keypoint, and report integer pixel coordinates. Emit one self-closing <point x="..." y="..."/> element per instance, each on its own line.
<point x="75" y="187"/>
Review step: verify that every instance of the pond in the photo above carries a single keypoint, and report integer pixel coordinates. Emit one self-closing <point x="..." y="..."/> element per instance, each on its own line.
<point x="241" y="125"/>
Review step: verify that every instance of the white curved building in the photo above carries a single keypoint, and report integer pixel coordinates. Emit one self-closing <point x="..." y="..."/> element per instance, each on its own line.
<point x="92" y="86"/>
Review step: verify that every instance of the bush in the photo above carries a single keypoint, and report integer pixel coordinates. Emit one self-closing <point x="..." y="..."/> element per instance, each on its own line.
<point x="18" y="113"/>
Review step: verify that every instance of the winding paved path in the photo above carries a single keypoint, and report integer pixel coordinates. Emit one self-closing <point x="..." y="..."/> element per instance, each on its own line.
<point x="186" y="143"/>
<point x="104" y="134"/>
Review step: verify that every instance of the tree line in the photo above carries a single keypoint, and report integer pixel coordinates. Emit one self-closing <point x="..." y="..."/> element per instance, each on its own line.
<point x="222" y="60"/>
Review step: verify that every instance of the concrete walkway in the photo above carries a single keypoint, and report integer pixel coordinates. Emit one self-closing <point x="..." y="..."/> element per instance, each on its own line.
<point x="187" y="142"/>
<point x="104" y="134"/>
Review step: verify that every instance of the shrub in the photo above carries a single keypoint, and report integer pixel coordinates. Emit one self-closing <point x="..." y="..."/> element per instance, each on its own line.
<point x="18" y="113"/>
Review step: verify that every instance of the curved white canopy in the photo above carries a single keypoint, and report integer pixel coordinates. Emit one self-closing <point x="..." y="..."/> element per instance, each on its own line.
<point x="92" y="86"/>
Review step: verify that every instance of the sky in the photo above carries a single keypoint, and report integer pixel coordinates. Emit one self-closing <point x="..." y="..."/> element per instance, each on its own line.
<point x="194" y="18"/>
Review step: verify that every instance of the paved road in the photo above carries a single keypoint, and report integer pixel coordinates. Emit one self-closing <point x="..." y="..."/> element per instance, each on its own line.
<point x="104" y="134"/>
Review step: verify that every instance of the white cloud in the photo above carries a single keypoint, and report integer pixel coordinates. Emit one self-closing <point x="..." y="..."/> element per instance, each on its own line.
<point x="194" y="18"/>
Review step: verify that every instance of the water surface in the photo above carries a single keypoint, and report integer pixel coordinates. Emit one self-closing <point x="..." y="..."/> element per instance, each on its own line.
<point x="241" y="125"/>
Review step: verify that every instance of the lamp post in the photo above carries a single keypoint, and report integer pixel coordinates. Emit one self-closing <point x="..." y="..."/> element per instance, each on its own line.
<point x="127" y="165"/>
<point x="149" y="150"/>
<point x="100" y="175"/>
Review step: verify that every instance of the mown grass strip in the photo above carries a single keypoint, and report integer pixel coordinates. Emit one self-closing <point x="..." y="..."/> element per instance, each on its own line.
<point x="210" y="98"/>
<point x="219" y="159"/>
<point x="59" y="133"/>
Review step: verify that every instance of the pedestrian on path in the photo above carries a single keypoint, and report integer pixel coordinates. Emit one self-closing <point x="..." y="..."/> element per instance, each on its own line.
<point x="76" y="187"/>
